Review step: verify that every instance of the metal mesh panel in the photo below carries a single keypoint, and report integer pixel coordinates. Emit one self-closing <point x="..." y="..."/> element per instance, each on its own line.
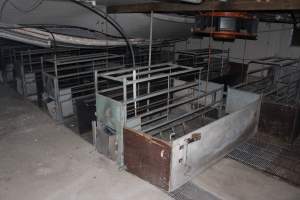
<point x="281" y="160"/>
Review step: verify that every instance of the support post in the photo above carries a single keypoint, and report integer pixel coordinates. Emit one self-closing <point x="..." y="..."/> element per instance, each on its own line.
<point x="150" y="56"/>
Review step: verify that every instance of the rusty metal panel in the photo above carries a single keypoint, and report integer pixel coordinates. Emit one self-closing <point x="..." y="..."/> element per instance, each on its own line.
<point x="147" y="157"/>
<point x="196" y="151"/>
<point x="279" y="119"/>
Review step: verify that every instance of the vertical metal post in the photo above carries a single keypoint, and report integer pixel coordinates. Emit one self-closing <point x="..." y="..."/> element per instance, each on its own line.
<point x="30" y="60"/>
<point x="243" y="65"/>
<point x="59" y="112"/>
<point x="125" y="99"/>
<point x="168" y="98"/>
<point x="42" y="63"/>
<point x="96" y="81"/>
<point x="151" y="38"/>
<point x="150" y="57"/>
<point x="134" y="92"/>
<point x="42" y="74"/>
<point x="288" y="86"/>
<point x="23" y="74"/>
<point x="94" y="132"/>
<point x="55" y="66"/>
<point x="220" y="107"/>
<point x="120" y="137"/>
<point x="222" y="58"/>
<point x="199" y="89"/>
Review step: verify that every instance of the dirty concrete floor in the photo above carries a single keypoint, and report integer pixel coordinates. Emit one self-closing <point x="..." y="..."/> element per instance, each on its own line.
<point x="41" y="160"/>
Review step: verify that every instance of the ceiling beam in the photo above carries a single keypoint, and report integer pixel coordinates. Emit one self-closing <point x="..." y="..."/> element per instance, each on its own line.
<point x="209" y="5"/>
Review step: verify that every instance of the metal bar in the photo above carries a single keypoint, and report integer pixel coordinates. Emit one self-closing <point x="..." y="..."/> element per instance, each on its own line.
<point x="149" y="72"/>
<point x="96" y="81"/>
<point x="150" y="53"/>
<point x="166" y="91"/>
<point x="180" y="103"/>
<point x="134" y="93"/>
<point x="140" y="68"/>
<point x="161" y="76"/>
<point x="183" y="116"/>
<point x="82" y="58"/>
<point x="181" y="122"/>
<point x="150" y="40"/>
<point x="153" y="120"/>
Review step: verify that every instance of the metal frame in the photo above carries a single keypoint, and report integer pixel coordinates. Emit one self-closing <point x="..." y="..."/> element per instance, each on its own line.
<point x="161" y="52"/>
<point x="8" y="56"/>
<point x="277" y="80"/>
<point x="137" y="87"/>
<point x="172" y="112"/>
<point x="72" y="77"/>
<point x="30" y="62"/>
<point x="216" y="60"/>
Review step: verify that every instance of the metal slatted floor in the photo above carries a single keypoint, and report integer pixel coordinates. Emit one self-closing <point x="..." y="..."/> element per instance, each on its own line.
<point x="189" y="191"/>
<point x="275" y="158"/>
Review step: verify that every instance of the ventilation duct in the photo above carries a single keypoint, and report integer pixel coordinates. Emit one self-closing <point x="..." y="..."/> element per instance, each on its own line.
<point x="226" y="25"/>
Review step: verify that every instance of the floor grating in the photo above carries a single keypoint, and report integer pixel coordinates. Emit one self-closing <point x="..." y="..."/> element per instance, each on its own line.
<point x="190" y="191"/>
<point x="275" y="158"/>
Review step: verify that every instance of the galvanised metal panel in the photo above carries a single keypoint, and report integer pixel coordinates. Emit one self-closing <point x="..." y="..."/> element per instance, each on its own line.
<point x="196" y="151"/>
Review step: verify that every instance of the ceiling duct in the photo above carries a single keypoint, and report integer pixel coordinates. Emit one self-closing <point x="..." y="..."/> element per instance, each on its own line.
<point x="226" y="25"/>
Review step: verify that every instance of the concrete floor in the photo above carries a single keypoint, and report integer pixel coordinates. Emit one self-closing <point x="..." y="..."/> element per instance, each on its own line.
<point x="40" y="159"/>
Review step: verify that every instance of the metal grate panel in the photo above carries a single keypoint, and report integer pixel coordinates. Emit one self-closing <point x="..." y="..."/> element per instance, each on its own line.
<point x="190" y="191"/>
<point x="281" y="160"/>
